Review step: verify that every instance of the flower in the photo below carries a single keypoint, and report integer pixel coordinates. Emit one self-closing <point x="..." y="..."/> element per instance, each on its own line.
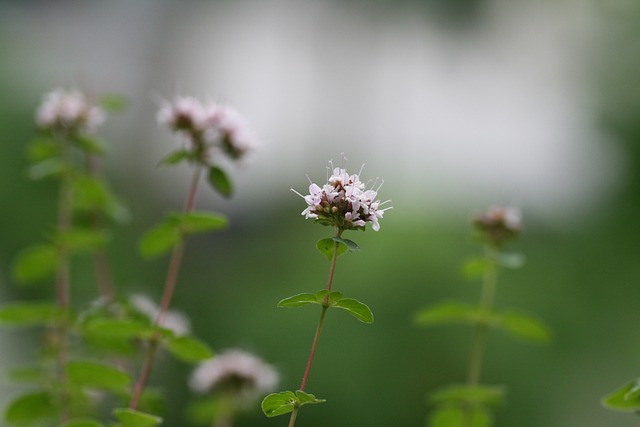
<point x="70" y="111"/>
<point x="499" y="224"/>
<point x="344" y="202"/>
<point x="206" y="126"/>
<point x="175" y="321"/>
<point x="234" y="371"/>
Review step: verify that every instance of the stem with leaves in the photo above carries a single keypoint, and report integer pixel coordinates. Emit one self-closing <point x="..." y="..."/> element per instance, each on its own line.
<point x="169" y="288"/>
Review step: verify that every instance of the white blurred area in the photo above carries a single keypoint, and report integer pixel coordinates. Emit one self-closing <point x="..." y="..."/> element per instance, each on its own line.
<point x="452" y="119"/>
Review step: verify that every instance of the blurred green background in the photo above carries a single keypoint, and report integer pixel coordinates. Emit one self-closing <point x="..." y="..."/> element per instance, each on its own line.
<point x="456" y="104"/>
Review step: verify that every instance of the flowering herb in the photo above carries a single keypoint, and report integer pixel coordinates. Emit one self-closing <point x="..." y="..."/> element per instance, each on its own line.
<point x="343" y="203"/>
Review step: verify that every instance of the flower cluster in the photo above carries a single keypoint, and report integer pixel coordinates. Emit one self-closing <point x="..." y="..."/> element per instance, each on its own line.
<point x="499" y="224"/>
<point x="234" y="371"/>
<point x="344" y="202"/>
<point x="69" y="111"/>
<point x="175" y="321"/>
<point x="207" y="125"/>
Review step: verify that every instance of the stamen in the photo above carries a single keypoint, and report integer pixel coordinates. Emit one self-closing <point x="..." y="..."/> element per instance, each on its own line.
<point x="297" y="193"/>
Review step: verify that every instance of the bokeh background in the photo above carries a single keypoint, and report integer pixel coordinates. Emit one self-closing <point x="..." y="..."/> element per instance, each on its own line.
<point x="456" y="104"/>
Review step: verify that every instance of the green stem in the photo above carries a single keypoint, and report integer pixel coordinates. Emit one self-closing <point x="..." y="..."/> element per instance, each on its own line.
<point x="316" y="338"/>
<point x="489" y="285"/>
<point x="169" y="288"/>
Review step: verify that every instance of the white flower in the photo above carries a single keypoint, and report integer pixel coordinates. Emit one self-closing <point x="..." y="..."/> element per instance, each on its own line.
<point x="175" y="321"/>
<point x="69" y="110"/>
<point x="207" y="125"/>
<point x="344" y="202"/>
<point x="234" y="371"/>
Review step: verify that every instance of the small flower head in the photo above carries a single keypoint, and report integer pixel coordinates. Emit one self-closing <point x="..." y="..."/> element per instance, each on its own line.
<point x="344" y="202"/>
<point x="234" y="372"/>
<point x="69" y="111"/>
<point x="207" y="126"/>
<point x="499" y="224"/>
<point x="175" y="321"/>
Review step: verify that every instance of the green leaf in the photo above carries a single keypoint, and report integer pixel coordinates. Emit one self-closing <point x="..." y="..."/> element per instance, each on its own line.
<point x="90" y="144"/>
<point x="198" y="222"/>
<point x="298" y="300"/>
<point x="220" y="181"/>
<point x="203" y="411"/>
<point x="27" y="374"/>
<point x="83" y="422"/>
<point x="450" y="312"/>
<point x="175" y="157"/>
<point x="475" y="268"/>
<point x="42" y="149"/>
<point x="511" y="260"/>
<point x="189" y="349"/>
<point x="326" y="247"/>
<point x="159" y="240"/>
<point x="30" y="409"/>
<point x="456" y="416"/>
<point x="486" y="395"/>
<point x="132" y="418"/>
<point x="625" y="398"/>
<point x="113" y="102"/>
<point x="98" y="375"/>
<point x="350" y="244"/>
<point x="28" y="313"/>
<point x="93" y="194"/>
<point x="284" y="402"/>
<point x="524" y="326"/>
<point x="35" y="263"/>
<point x="46" y="167"/>
<point x="82" y="239"/>
<point x="119" y="329"/>
<point x="357" y="309"/>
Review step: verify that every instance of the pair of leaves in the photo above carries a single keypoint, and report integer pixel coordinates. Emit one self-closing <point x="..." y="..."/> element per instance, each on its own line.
<point x="328" y="246"/>
<point x="286" y="401"/>
<point x="163" y="237"/>
<point x="486" y="395"/>
<point x="462" y="405"/>
<point x="459" y="416"/>
<point x="520" y="325"/>
<point x="625" y="398"/>
<point x="217" y="177"/>
<point x="477" y="267"/>
<point x="333" y="299"/>
<point x="186" y="348"/>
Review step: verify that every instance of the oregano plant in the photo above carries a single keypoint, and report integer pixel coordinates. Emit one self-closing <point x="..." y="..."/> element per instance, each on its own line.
<point x="344" y="203"/>
<point x="469" y="404"/>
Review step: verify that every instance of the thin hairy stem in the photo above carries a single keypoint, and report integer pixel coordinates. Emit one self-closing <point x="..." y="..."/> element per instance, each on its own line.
<point x="294" y="414"/>
<point x="169" y="288"/>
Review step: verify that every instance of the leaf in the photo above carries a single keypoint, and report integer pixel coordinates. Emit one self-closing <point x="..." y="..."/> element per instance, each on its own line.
<point x="525" y="327"/>
<point x="90" y="144"/>
<point x="47" y="167"/>
<point x="198" y="222"/>
<point x="298" y="300"/>
<point x="35" y="263"/>
<point x="284" y="402"/>
<point x="93" y="194"/>
<point x="456" y="416"/>
<point x="511" y="260"/>
<point x="625" y="398"/>
<point x="189" y="349"/>
<point x="448" y="312"/>
<point x="132" y="418"/>
<point x="113" y="102"/>
<point x="486" y="395"/>
<point x="83" y="422"/>
<point x="220" y="181"/>
<point x="42" y="149"/>
<point x="175" y="157"/>
<point x="98" y="375"/>
<point x="475" y="268"/>
<point x="357" y="309"/>
<point x="27" y="374"/>
<point x="30" y="409"/>
<point x="28" y="313"/>
<point x="326" y="247"/>
<point x="113" y="328"/>
<point x="80" y="239"/>
<point x="350" y="244"/>
<point x="159" y="240"/>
